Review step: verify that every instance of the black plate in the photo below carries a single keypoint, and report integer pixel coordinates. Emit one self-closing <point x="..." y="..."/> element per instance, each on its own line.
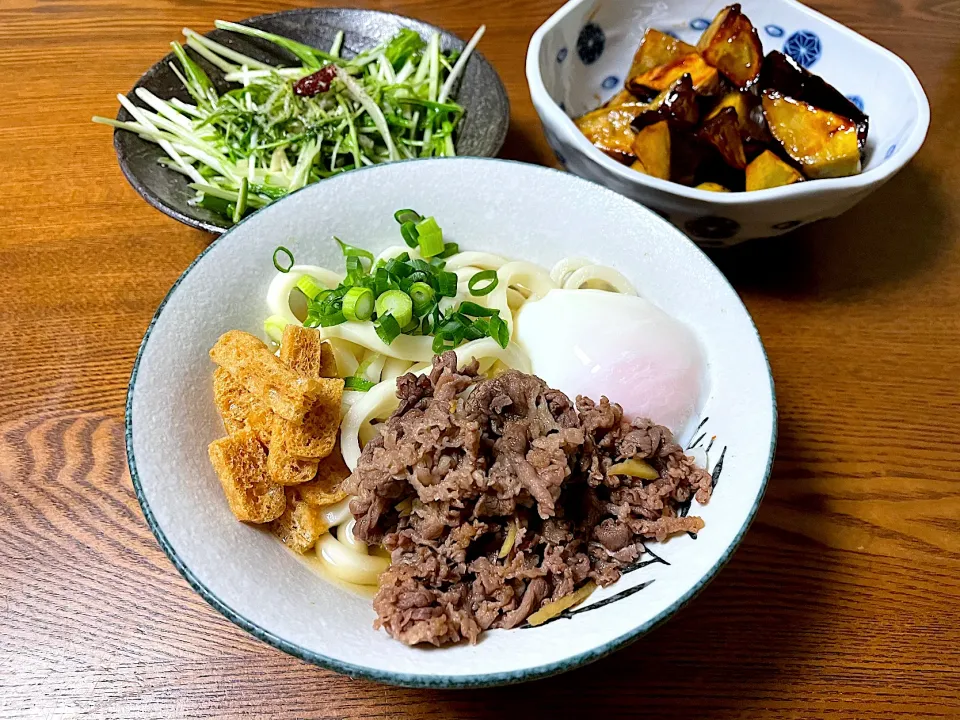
<point x="481" y="93"/>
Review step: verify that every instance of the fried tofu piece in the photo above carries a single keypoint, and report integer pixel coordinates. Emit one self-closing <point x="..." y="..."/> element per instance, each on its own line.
<point x="316" y="435"/>
<point x="241" y="465"/>
<point x="238" y="408"/>
<point x="301" y="349"/>
<point x="301" y="524"/>
<point x="286" y="469"/>
<point x="285" y="391"/>
<point x="326" y="489"/>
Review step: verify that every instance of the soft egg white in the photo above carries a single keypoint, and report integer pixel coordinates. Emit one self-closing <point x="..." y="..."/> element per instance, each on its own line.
<point x="594" y="343"/>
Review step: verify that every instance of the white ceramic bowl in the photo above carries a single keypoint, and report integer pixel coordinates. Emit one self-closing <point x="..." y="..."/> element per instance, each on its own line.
<point x="576" y="60"/>
<point x="517" y="210"/>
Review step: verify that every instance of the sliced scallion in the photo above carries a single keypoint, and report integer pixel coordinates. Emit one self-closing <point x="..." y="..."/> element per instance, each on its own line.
<point x="273" y="327"/>
<point x="429" y="237"/>
<point x="357" y="383"/>
<point x="388" y="329"/>
<point x="358" y="304"/>
<point x="484" y="276"/>
<point x="396" y="303"/>
<point x="309" y="286"/>
<point x="281" y="250"/>
<point x="407" y="215"/>
<point x="423" y="297"/>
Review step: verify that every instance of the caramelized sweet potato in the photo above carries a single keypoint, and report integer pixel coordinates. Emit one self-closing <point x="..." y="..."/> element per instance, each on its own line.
<point x="731" y="44"/>
<point x="823" y="143"/>
<point x="677" y="105"/>
<point x="624" y="97"/>
<point x="657" y="49"/>
<point x="722" y="131"/>
<point x="652" y="148"/>
<point x="706" y="79"/>
<point x="782" y="75"/>
<point x="609" y="129"/>
<point x="712" y="187"/>
<point x="769" y="171"/>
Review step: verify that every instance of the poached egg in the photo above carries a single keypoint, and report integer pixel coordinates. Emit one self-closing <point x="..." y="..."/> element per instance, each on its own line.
<point x="594" y="342"/>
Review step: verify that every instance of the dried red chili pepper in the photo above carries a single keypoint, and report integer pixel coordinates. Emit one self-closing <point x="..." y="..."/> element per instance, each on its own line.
<point x="318" y="82"/>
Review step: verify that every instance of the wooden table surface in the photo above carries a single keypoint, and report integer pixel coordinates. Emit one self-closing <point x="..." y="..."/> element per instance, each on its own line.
<point x="842" y="602"/>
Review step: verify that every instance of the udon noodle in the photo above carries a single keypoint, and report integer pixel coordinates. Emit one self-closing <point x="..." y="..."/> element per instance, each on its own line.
<point x="359" y="351"/>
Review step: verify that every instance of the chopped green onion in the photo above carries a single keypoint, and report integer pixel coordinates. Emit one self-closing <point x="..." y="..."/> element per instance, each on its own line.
<point x="499" y="331"/>
<point x="337" y="318"/>
<point x="387" y="328"/>
<point x="423" y="297"/>
<point x="488" y="276"/>
<point x="276" y="263"/>
<point x="398" y="304"/>
<point x="478" y="311"/>
<point x="358" y="303"/>
<point x="449" y="250"/>
<point x="241" y="207"/>
<point x="310" y="287"/>
<point x="408" y="231"/>
<point x="447" y="284"/>
<point x="351" y="251"/>
<point x="430" y="237"/>
<point x="357" y="383"/>
<point x="405" y="216"/>
<point x="273" y="327"/>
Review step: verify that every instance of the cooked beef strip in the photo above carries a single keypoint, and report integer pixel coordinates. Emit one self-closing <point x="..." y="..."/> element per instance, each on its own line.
<point x="464" y="458"/>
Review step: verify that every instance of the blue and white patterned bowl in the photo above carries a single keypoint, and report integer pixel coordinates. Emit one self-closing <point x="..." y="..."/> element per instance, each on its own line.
<point x="577" y="59"/>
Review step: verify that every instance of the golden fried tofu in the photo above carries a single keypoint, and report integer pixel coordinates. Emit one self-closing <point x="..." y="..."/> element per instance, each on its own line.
<point x="286" y="469"/>
<point x="302" y="350"/>
<point x="300" y="525"/>
<point x="315" y="436"/>
<point x="239" y="408"/>
<point x="285" y="391"/>
<point x="241" y="465"/>
<point x="326" y="488"/>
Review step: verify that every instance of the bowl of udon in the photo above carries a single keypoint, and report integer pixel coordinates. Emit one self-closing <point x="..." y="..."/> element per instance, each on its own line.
<point x="450" y="423"/>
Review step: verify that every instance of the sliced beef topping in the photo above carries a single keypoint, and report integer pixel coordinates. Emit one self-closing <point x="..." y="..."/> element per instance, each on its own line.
<point x="493" y="498"/>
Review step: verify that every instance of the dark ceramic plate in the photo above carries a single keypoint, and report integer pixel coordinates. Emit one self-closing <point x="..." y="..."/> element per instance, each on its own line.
<point x="481" y="93"/>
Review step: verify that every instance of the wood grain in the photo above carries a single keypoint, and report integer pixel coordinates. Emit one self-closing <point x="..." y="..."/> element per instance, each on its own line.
<point x="841" y="603"/>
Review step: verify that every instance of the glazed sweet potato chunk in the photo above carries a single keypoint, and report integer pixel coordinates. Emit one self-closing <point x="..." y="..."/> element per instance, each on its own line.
<point x="769" y="171"/>
<point x="706" y="79"/>
<point x="609" y="129"/>
<point x="652" y="148"/>
<point x="823" y="143"/>
<point x="731" y="44"/>
<point x="657" y="49"/>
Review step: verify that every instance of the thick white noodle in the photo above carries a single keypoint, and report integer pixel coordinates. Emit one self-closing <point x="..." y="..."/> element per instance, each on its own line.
<point x="394" y="368"/>
<point x="565" y="268"/>
<point x="337" y="514"/>
<point x="593" y="273"/>
<point x="343" y="353"/>
<point x="521" y="274"/>
<point x="406" y="347"/>
<point x="278" y="295"/>
<point x="482" y="260"/>
<point x="346" y="538"/>
<point x="374" y="369"/>
<point x="349" y="565"/>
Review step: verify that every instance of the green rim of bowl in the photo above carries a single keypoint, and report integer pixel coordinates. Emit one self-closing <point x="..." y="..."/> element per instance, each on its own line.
<point x="415" y="679"/>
